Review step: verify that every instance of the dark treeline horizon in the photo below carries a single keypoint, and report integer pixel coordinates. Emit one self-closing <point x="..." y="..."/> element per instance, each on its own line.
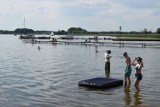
<point x="75" y="31"/>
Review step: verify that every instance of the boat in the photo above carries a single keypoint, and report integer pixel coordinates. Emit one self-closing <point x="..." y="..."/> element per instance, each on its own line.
<point x="43" y="37"/>
<point x="101" y="82"/>
<point x="52" y="33"/>
<point x="67" y="37"/>
<point x="27" y="37"/>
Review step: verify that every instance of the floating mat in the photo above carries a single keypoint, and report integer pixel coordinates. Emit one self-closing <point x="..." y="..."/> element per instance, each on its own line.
<point x="101" y="82"/>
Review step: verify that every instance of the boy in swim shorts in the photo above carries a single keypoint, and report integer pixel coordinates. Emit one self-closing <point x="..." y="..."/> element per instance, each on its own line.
<point x="128" y="69"/>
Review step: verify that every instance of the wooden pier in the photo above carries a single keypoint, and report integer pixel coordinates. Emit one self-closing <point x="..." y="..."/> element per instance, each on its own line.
<point x="119" y="44"/>
<point x="141" y="44"/>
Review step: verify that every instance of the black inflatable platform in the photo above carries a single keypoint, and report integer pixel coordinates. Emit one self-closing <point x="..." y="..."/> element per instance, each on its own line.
<point x="101" y="82"/>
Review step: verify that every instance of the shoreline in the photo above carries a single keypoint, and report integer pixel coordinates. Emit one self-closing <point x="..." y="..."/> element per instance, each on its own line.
<point x="136" y="39"/>
<point x="123" y="37"/>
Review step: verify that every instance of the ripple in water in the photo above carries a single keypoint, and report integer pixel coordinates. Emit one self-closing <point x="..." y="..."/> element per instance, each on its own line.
<point x="49" y="77"/>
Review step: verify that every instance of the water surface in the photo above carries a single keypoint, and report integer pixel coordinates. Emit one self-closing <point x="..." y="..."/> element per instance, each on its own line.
<point x="49" y="77"/>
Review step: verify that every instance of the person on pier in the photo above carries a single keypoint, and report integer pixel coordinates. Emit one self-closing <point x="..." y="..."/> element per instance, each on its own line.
<point x="96" y="38"/>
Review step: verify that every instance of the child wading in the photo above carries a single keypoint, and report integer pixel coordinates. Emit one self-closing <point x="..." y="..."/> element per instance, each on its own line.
<point x="107" y="62"/>
<point x="128" y="69"/>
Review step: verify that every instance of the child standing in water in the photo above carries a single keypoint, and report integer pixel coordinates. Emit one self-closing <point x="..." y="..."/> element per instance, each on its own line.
<point x="107" y="62"/>
<point x="138" y="75"/>
<point x="128" y="69"/>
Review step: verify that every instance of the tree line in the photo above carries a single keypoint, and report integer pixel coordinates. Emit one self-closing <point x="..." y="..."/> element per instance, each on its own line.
<point x="75" y="31"/>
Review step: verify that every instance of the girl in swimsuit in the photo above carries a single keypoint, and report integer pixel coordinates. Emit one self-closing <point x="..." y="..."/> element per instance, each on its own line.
<point x="138" y="75"/>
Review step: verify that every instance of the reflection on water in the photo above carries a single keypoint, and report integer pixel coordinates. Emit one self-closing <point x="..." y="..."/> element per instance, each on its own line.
<point x="128" y="97"/>
<point x="49" y="77"/>
<point x="137" y="98"/>
<point x="96" y="48"/>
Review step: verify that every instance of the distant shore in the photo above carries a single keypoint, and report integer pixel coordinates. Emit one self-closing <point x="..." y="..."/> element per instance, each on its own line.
<point x="126" y="37"/>
<point x="134" y="37"/>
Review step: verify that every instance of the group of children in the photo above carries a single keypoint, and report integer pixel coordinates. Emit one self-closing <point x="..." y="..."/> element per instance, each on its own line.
<point x="137" y="63"/>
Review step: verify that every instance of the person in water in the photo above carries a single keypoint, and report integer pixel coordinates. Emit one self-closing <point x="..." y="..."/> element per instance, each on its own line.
<point x="128" y="69"/>
<point x="107" y="62"/>
<point x="96" y="38"/>
<point x="138" y="68"/>
<point x="39" y="48"/>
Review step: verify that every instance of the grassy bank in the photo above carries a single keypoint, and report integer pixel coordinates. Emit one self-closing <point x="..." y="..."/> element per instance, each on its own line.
<point x="134" y="37"/>
<point x="149" y="36"/>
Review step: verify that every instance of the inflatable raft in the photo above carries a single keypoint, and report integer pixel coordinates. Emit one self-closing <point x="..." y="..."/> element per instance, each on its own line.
<point x="101" y="82"/>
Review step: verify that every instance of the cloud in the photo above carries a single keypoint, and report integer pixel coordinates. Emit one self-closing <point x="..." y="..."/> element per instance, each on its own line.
<point x="92" y="15"/>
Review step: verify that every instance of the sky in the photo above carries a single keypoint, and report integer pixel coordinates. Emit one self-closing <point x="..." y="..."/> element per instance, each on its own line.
<point x="92" y="15"/>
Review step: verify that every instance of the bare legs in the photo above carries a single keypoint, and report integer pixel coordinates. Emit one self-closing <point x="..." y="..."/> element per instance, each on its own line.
<point x="136" y="85"/>
<point x="127" y="80"/>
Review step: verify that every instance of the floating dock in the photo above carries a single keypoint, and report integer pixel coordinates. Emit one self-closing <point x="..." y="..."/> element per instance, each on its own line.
<point x="101" y="82"/>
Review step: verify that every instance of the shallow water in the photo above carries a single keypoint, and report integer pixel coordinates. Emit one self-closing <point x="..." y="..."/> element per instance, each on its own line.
<point x="49" y="77"/>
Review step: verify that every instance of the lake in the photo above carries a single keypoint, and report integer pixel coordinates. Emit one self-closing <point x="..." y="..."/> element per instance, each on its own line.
<point x="49" y="77"/>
